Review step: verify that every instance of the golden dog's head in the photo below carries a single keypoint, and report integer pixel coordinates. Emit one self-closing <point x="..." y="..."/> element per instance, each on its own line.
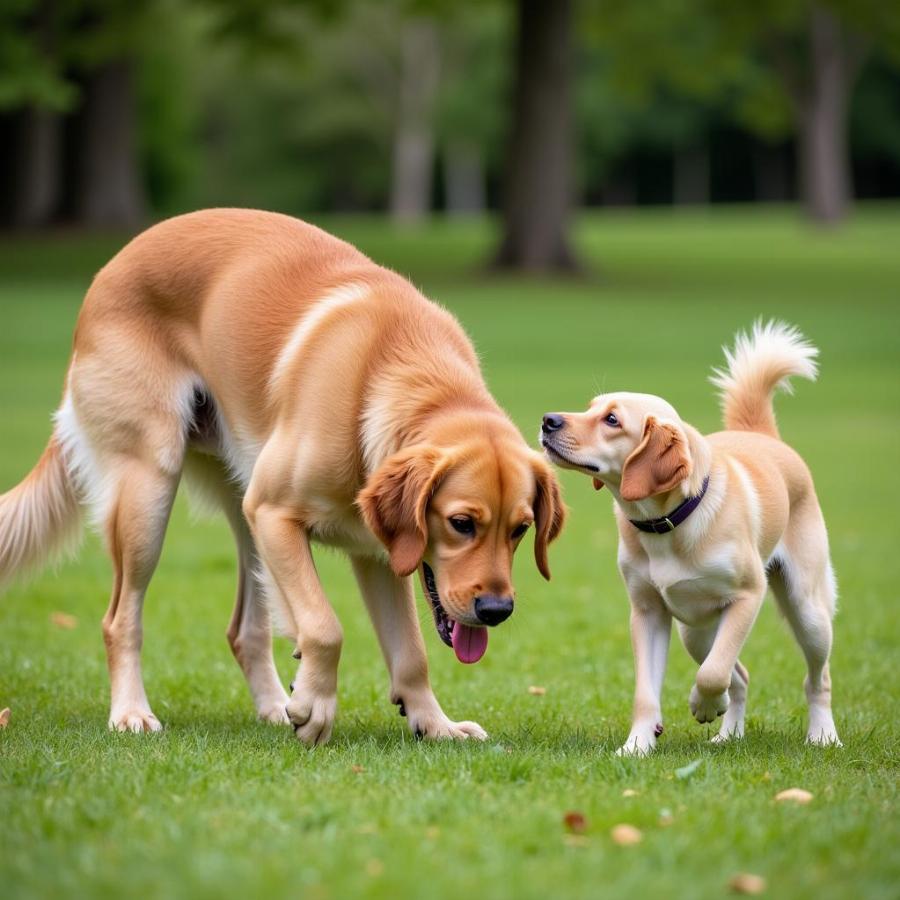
<point x="636" y="443"/>
<point x="458" y="512"/>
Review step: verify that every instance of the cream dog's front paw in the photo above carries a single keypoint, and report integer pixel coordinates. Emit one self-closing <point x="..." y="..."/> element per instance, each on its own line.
<point x="707" y="707"/>
<point x="641" y="740"/>
<point x="312" y="715"/>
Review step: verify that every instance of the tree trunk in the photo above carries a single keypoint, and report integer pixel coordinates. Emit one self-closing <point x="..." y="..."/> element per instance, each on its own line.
<point x="464" y="179"/>
<point x="538" y="185"/>
<point x="108" y="190"/>
<point x="822" y="123"/>
<point x="413" y="155"/>
<point x="32" y="185"/>
<point x="690" y="182"/>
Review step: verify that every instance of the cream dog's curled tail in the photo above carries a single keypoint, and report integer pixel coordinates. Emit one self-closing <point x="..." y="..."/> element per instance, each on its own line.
<point x="39" y="517"/>
<point x="761" y="363"/>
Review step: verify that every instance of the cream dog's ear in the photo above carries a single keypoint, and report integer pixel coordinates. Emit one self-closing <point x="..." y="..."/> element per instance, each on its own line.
<point x="657" y="464"/>
<point x="394" y="501"/>
<point x="549" y="514"/>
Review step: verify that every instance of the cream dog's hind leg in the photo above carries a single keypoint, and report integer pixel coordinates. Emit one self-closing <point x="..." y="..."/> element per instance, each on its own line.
<point x="651" y="628"/>
<point x="698" y="642"/>
<point x="805" y="592"/>
<point x="391" y="604"/>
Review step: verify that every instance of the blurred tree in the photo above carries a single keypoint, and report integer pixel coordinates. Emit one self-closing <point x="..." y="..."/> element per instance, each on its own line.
<point x="537" y="200"/>
<point x="76" y="57"/>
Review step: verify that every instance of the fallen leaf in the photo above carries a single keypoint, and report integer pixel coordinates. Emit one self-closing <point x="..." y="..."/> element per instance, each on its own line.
<point x="626" y="835"/>
<point x="689" y="769"/>
<point x="374" y="868"/>
<point x="575" y="840"/>
<point x="629" y="792"/>
<point x="794" y="795"/>
<point x="747" y="883"/>
<point x="357" y="769"/>
<point x="575" y="822"/>
<point x="537" y="691"/>
<point x="63" y="620"/>
<point x="4" y="717"/>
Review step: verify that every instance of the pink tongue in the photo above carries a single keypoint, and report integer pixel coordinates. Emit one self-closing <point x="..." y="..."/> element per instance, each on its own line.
<point x="469" y="643"/>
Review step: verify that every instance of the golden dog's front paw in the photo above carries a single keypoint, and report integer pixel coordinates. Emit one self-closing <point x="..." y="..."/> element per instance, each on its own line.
<point x="311" y="715"/>
<point x="437" y="727"/>
<point x="138" y="721"/>
<point x="707" y="707"/>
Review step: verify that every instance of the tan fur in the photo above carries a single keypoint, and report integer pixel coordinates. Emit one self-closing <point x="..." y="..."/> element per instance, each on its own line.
<point x="759" y="523"/>
<point x="315" y="397"/>
<point x="38" y="518"/>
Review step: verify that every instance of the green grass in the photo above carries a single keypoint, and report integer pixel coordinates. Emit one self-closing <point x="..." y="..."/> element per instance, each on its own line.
<point x="219" y="805"/>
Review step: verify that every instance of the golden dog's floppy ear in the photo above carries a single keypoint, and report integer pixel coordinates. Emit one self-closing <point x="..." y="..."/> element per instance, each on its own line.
<point x="657" y="464"/>
<point x="394" y="500"/>
<point x="549" y="514"/>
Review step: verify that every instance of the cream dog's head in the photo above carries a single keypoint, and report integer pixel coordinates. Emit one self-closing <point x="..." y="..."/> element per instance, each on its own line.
<point x="635" y="443"/>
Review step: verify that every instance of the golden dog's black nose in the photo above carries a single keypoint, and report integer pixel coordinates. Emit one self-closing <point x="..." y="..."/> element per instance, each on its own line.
<point x="492" y="610"/>
<point x="552" y="422"/>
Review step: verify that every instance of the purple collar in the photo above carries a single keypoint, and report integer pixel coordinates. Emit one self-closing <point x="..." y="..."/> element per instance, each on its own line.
<point x="665" y="524"/>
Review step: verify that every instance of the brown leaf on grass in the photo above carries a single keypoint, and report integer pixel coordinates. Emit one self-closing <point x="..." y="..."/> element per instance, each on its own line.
<point x="536" y="690"/>
<point x="747" y="883"/>
<point x="575" y="822"/>
<point x="4" y="717"/>
<point x="794" y="795"/>
<point x="63" y="620"/>
<point x="626" y="835"/>
<point x="357" y="769"/>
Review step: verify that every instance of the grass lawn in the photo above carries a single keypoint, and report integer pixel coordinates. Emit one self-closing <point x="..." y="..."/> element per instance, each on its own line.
<point x="220" y="805"/>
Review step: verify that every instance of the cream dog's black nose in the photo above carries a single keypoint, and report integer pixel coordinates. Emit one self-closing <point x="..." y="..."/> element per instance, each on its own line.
<point x="492" y="610"/>
<point x="552" y="422"/>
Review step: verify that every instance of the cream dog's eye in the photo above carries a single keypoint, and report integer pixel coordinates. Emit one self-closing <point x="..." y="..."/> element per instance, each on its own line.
<point x="463" y="524"/>
<point x="519" y="530"/>
<point x="613" y="421"/>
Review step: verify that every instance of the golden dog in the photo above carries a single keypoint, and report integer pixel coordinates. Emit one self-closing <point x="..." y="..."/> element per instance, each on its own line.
<point x="704" y="524"/>
<point x="313" y="396"/>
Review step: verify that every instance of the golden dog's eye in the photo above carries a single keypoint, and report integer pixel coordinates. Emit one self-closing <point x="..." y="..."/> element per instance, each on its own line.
<point x="519" y="530"/>
<point x="612" y="420"/>
<point x="463" y="524"/>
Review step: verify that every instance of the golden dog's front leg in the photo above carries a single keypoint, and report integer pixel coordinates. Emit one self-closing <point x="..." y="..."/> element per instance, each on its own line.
<point x="391" y="604"/>
<point x="283" y="545"/>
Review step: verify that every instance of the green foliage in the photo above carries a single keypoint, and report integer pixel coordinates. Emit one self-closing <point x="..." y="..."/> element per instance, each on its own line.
<point x="218" y="806"/>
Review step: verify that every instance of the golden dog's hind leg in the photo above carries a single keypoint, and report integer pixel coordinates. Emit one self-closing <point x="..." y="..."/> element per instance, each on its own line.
<point x="391" y="603"/>
<point x="135" y="525"/>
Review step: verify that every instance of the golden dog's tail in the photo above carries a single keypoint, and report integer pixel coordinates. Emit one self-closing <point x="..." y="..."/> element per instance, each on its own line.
<point x="761" y="363"/>
<point x="40" y="517"/>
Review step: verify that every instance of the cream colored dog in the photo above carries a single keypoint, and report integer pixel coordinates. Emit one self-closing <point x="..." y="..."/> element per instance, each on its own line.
<point x="704" y="524"/>
<point x="313" y="396"/>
